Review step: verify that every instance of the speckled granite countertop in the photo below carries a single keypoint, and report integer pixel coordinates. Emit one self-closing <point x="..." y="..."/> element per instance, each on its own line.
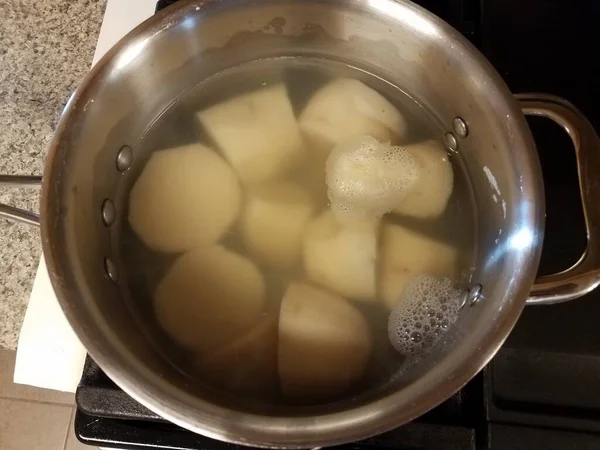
<point x="46" y="47"/>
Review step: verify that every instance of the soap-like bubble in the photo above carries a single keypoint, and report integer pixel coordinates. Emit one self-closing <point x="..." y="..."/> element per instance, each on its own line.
<point x="366" y="179"/>
<point x="427" y="308"/>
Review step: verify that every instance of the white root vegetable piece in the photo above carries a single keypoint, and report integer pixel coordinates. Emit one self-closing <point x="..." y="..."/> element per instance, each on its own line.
<point x="313" y="177"/>
<point x="342" y="258"/>
<point x="430" y="194"/>
<point x="257" y="132"/>
<point x="248" y="364"/>
<point x="346" y="108"/>
<point x="406" y="254"/>
<point x="185" y="197"/>
<point x="209" y="297"/>
<point x="366" y="179"/>
<point x="324" y="344"/>
<point x="273" y="222"/>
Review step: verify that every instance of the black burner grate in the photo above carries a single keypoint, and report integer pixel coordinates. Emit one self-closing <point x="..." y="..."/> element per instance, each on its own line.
<point x="162" y="4"/>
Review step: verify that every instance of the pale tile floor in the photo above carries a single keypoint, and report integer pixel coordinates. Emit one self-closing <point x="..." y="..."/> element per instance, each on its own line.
<point x="33" y="418"/>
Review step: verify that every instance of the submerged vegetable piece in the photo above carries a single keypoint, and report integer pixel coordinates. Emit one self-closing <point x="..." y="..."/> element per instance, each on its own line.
<point x="186" y="197"/>
<point x="346" y="108"/>
<point x="273" y="222"/>
<point x="406" y="254"/>
<point x="366" y="179"/>
<point x="257" y="132"/>
<point x="342" y="257"/>
<point x="324" y="344"/>
<point x="431" y="192"/>
<point x="209" y="297"/>
<point x="247" y="365"/>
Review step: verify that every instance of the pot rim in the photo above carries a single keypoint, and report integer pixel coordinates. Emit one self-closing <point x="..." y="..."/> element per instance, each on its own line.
<point x="252" y="429"/>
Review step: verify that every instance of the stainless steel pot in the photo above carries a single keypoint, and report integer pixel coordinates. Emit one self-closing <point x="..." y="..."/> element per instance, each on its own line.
<point x="95" y="145"/>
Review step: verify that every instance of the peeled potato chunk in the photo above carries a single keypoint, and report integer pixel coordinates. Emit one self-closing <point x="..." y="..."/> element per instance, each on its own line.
<point x="209" y="297"/>
<point x="273" y="222"/>
<point x="246" y="365"/>
<point x="257" y="132"/>
<point x="346" y="108"/>
<point x="366" y="179"/>
<point x="340" y="257"/>
<point x="406" y="254"/>
<point x="324" y="344"/>
<point x="431" y="192"/>
<point x="185" y="197"/>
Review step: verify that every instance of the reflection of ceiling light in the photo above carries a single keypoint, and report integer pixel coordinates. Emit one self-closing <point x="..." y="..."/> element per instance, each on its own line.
<point x="130" y="53"/>
<point x="406" y="15"/>
<point x="522" y="239"/>
<point x="188" y="23"/>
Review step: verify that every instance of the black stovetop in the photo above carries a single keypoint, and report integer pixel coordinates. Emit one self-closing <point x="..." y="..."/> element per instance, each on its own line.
<point x="542" y="389"/>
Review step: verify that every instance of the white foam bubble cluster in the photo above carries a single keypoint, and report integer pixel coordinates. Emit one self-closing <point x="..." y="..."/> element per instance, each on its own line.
<point x="426" y="310"/>
<point x="366" y="179"/>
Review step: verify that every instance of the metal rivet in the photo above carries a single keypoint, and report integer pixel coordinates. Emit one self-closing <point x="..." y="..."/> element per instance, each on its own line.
<point x="474" y="295"/>
<point x="463" y="300"/>
<point x="111" y="270"/>
<point x="124" y="158"/>
<point x="108" y="212"/>
<point x="451" y="143"/>
<point x="460" y="127"/>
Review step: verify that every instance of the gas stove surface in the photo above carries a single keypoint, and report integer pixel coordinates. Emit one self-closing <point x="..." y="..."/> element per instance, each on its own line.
<point x="541" y="390"/>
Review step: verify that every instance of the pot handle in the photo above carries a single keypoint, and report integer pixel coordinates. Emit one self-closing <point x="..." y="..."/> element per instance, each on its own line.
<point x="13" y="213"/>
<point x="584" y="275"/>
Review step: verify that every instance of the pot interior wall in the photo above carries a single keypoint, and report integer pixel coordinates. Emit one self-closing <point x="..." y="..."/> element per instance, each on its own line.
<point x="132" y="86"/>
